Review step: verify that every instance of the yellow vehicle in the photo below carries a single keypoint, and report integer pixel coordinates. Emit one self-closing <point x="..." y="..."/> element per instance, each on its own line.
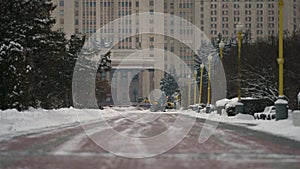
<point x="170" y="105"/>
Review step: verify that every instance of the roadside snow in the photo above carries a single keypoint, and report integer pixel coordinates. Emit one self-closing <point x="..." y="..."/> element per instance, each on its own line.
<point x="283" y="128"/>
<point x="13" y="122"/>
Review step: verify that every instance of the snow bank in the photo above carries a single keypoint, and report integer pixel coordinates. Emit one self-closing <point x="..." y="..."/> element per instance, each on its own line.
<point x="284" y="128"/>
<point x="222" y="103"/>
<point x="13" y="122"/>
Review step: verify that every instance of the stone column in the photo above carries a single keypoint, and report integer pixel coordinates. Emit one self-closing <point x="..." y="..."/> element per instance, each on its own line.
<point x="146" y="83"/>
<point x="119" y="86"/>
<point x="129" y="91"/>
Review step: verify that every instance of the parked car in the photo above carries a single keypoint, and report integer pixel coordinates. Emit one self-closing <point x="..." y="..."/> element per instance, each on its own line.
<point x="268" y="113"/>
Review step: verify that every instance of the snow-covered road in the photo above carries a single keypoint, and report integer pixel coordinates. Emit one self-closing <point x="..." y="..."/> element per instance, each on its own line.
<point x="77" y="147"/>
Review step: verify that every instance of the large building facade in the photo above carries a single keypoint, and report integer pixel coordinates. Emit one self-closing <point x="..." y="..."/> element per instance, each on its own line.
<point x="213" y="17"/>
<point x="260" y="17"/>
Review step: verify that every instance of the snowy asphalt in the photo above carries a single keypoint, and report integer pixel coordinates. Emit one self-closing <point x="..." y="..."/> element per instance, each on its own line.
<point x="70" y="148"/>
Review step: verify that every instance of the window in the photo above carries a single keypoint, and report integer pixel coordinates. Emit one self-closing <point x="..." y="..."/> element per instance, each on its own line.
<point x="61" y="3"/>
<point x="151" y="39"/>
<point x="260" y="19"/>
<point x="259" y="32"/>
<point x="172" y="49"/>
<point x="236" y="6"/>
<point x="259" y="12"/>
<point x="172" y="5"/>
<point x="213" y="19"/>
<point x="61" y="12"/>
<point x="151" y="3"/>
<point x="236" y="12"/>
<point x="236" y="19"/>
<point x="213" y="12"/>
<point x="151" y="47"/>
<point x="225" y="19"/>
<point x="225" y="12"/>
<point x="259" y="6"/>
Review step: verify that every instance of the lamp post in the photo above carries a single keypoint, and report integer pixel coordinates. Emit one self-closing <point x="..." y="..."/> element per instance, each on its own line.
<point x="281" y="103"/>
<point x="221" y="47"/>
<point x="201" y="82"/>
<point x="189" y="90"/>
<point x="239" y="106"/>
<point x="195" y="86"/>
<point x="208" y="84"/>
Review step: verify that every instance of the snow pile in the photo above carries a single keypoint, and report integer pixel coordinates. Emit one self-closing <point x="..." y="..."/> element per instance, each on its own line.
<point x="222" y="103"/>
<point x="283" y="128"/>
<point x="13" y="122"/>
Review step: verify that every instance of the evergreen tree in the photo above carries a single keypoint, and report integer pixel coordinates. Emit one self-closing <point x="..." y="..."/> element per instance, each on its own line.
<point x="74" y="47"/>
<point x="169" y="84"/>
<point x="31" y="53"/>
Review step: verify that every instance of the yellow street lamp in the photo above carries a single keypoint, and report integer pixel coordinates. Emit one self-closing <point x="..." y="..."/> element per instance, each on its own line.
<point x="281" y="103"/>
<point x="201" y="82"/>
<point x="208" y="108"/>
<point x="209" y="78"/>
<point x="221" y="47"/>
<point x="189" y="90"/>
<point x="195" y="86"/>
<point x="280" y="59"/>
<point x="240" y="27"/>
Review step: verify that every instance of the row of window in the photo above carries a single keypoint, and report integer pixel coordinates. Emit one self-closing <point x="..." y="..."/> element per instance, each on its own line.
<point x="249" y="25"/>
<point x="247" y="6"/>
<point x="249" y="19"/>
<point x="243" y="0"/>
<point x="124" y="13"/>
<point x="258" y="32"/>
<point x="88" y="13"/>
<point x="185" y="5"/>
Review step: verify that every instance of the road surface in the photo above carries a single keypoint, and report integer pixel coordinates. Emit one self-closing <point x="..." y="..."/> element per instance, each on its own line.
<point x="229" y="147"/>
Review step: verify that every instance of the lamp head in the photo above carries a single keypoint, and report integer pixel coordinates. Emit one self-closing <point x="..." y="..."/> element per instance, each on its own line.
<point x="202" y="66"/>
<point x="239" y="27"/>
<point x="195" y="71"/>
<point x="221" y="44"/>
<point x="210" y="57"/>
